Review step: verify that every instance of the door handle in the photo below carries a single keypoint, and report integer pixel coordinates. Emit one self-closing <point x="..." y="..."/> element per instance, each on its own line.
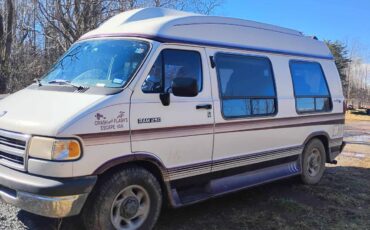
<point x="204" y="106"/>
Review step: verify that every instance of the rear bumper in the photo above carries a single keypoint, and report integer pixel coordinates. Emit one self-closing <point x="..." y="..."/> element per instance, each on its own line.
<point x="51" y="197"/>
<point x="335" y="151"/>
<point x="342" y="146"/>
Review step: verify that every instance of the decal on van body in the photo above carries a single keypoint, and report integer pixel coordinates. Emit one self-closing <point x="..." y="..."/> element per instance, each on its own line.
<point x="149" y="120"/>
<point x="113" y="123"/>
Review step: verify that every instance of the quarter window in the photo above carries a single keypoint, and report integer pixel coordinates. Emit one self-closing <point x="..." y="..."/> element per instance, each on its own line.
<point x="310" y="87"/>
<point x="246" y="84"/>
<point x="172" y="64"/>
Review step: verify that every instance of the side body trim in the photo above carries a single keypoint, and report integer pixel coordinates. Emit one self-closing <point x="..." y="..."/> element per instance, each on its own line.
<point x="233" y="162"/>
<point x="199" y="188"/>
<point x="190" y="183"/>
<point x="227" y="127"/>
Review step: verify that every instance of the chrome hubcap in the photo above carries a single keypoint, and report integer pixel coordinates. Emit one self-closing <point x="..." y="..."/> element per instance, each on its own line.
<point x="314" y="162"/>
<point x="130" y="208"/>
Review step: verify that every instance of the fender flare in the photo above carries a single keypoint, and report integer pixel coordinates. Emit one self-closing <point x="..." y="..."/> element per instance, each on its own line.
<point x="132" y="158"/>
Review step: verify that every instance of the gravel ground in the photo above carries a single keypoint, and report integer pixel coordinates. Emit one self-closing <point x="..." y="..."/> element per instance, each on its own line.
<point x="9" y="217"/>
<point x="338" y="202"/>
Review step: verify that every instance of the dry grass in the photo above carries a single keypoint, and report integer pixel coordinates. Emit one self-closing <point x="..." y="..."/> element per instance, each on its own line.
<point x="357" y="115"/>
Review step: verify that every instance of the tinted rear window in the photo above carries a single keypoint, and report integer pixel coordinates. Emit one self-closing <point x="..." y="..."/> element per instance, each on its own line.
<point x="310" y="87"/>
<point x="247" y="85"/>
<point x="308" y="79"/>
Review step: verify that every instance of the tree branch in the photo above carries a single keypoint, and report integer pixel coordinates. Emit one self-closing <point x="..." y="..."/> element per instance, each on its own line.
<point x="9" y="29"/>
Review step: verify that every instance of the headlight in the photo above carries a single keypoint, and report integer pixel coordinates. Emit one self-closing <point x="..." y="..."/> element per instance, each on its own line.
<point x="54" y="149"/>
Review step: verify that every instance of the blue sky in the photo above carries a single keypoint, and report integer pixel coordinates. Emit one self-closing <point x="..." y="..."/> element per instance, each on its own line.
<point x="344" y="20"/>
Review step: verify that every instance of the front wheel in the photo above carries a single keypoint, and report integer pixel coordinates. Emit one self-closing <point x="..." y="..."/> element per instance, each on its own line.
<point x="313" y="162"/>
<point x="127" y="200"/>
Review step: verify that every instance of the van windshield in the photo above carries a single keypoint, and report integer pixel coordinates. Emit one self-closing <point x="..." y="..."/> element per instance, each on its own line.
<point x="98" y="63"/>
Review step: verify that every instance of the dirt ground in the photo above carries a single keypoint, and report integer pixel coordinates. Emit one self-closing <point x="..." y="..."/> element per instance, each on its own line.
<point x="340" y="201"/>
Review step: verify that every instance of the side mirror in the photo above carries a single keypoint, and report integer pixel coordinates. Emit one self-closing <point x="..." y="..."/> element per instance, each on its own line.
<point x="184" y="87"/>
<point x="165" y="98"/>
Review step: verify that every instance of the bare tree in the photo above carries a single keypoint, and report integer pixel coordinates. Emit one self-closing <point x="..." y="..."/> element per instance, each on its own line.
<point x="358" y="93"/>
<point x="6" y="39"/>
<point x="69" y="19"/>
<point x="34" y="33"/>
<point x="6" y="31"/>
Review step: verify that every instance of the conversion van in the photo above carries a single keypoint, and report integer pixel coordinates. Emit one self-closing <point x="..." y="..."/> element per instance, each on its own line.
<point x="158" y="106"/>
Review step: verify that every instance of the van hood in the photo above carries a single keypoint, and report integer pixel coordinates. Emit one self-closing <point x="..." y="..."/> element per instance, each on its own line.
<point x="43" y="112"/>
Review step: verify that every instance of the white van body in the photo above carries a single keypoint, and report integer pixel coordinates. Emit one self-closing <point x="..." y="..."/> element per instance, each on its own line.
<point x="190" y="140"/>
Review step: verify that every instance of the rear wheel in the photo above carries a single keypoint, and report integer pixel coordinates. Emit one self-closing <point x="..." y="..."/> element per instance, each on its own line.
<point x="313" y="162"/>
<point x="129" y="199"/>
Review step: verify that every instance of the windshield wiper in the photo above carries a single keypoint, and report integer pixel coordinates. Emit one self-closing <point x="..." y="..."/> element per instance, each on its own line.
<point x="37" y="81"/>
<point x="66" y="82"/>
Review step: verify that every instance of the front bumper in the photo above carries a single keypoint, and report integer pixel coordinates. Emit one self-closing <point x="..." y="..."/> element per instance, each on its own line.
<point x="55" y="207"/>
<point x="50" y="197"/>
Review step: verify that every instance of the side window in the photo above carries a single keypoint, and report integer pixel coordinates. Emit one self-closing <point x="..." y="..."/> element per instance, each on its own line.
<point x="246" y="84"/>
<point x="172" y="64"/>
<point x="310" y="87"/>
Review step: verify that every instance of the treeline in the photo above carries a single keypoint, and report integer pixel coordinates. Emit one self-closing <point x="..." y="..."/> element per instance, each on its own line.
<point x="34" y="33"/>
<point x="354" y="73"/>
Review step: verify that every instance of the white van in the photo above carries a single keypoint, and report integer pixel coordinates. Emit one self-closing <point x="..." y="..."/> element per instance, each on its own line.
<point x="157" y="106"/>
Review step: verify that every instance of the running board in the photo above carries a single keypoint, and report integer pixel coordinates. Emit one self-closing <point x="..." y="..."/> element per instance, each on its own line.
<point x="220" y="186"/>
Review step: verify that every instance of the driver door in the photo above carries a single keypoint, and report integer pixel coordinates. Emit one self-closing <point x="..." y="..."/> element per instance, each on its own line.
<point x="180" y="134"/>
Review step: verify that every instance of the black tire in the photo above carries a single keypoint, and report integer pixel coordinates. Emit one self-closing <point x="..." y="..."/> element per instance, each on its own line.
<point x="98" y="211"/>
<point x="312" y="169"/>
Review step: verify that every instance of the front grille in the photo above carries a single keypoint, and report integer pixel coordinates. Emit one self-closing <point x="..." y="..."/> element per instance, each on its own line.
<point x="12" y="142"/>
<point x="13" y="149"/>
<point x="12" y="158"/>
